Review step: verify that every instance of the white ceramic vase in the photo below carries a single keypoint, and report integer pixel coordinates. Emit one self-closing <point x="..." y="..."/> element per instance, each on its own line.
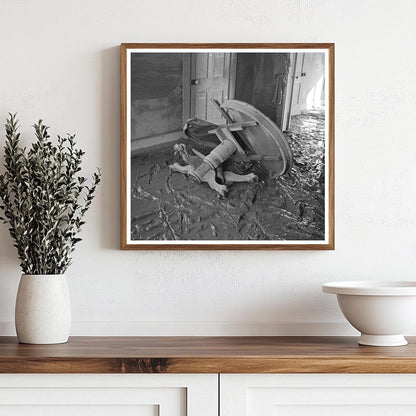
<point x="43" y="309"/>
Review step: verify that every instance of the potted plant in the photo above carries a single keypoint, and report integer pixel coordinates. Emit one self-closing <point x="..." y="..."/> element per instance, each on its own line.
<point x="44" y="199"/>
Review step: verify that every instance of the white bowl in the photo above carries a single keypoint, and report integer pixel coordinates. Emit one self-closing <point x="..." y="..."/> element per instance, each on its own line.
<point x="381" y="311"/>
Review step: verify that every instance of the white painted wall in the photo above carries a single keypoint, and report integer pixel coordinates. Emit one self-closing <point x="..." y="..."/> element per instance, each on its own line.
<point x="60" y="61"/>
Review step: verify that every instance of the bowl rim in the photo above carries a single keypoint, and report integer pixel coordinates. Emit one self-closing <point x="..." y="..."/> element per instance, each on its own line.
<point x="371" y="288"/>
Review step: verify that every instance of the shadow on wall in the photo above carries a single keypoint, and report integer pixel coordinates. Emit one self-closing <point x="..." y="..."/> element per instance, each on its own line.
<point x="108" y="92"/>
<point x="284" y="315"/>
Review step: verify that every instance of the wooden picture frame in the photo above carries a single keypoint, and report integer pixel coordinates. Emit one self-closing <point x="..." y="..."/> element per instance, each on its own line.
<point x="151" y="81"/>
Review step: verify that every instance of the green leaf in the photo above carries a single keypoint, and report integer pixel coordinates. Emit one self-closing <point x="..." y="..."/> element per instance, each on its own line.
<point x="44" y="198"/>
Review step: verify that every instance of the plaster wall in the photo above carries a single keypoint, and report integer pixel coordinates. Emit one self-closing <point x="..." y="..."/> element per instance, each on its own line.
<point x="60" y="61"/>
<point x="156" y="94"/>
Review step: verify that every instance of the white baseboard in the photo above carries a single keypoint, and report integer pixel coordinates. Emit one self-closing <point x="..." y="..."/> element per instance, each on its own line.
<point x="147" y="142"/>
<point x="201" y="328"/>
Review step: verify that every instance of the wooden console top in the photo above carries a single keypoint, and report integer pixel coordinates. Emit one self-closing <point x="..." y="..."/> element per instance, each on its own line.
<point x="206" y="355"/>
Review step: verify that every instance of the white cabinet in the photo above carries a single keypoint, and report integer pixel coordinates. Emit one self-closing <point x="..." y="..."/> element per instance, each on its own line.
<point x="317" y="394"/>
<point x="197" y="394"/>
<point x="109" y="395"/>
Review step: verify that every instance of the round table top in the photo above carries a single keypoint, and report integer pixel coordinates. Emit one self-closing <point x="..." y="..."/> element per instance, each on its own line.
<point x="265" y="140"/>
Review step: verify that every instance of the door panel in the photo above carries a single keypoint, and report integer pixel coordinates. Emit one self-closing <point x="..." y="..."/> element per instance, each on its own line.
<point x="66" y="410"/>
<point x="297" y="103"/>
<point x="109" y="394"/>
<point x="218" y="62"/>
<point x="201" y="104"/>
<point x="212" y="112"/>
<point x="318" y="394"/>
<point x="200" y="61"/>
<point x="308" y="86"/>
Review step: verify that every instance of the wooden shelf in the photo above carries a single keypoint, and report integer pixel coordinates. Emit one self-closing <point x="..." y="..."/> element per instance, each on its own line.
<point x="206" y="355"/>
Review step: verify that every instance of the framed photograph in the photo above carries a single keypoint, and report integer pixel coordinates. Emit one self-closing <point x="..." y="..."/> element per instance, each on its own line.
<point x="227" y="146"/>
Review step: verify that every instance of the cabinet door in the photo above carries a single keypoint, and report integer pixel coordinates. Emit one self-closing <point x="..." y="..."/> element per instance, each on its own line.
<point x="318" y="394"/>
<point x="108" y="395"/>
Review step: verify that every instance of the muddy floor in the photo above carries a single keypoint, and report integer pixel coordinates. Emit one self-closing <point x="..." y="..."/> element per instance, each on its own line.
<point x="167" y="205"/>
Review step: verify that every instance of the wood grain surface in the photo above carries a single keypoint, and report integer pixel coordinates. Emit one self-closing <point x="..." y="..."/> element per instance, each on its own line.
<point x="206" y="355"/>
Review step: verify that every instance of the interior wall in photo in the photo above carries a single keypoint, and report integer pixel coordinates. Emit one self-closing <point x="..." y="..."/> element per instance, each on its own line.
<point x="156" y="94"/>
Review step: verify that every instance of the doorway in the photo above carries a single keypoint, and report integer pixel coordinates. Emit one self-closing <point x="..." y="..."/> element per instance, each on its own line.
<point x="306" y="85"/>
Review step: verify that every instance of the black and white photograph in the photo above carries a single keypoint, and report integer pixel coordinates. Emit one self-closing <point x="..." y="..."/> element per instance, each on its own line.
<point x="227" y="146"/>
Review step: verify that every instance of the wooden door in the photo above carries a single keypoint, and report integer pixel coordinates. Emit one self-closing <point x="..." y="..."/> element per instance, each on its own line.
<point x="306" y="85"/>
<point x="308" y="82"/>
<point x="298" y="89"/>
<point x="212" y="77"/>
